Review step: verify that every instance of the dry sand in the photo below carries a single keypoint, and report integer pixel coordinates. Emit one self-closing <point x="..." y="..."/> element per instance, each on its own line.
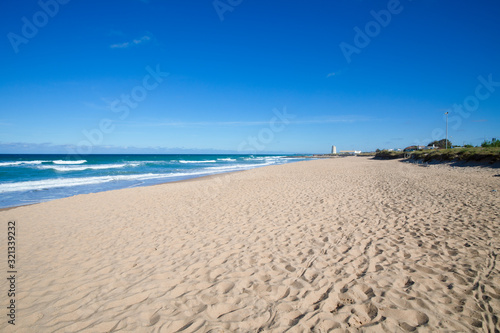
<point x="350" y="244"/>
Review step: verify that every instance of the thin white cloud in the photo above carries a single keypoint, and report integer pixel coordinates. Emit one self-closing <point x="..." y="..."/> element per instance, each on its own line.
<point x="330" y="74"/>
<point x="322" y="120"/>
<point x="120" y="46"/>
<point x="334" y="119"/>
<point x="50" y="148"/>
<point x="124" y="45"/>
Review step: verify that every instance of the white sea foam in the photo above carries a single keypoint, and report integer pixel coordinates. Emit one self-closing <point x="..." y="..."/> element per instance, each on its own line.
<point x="254" y="158"/>
<point x="21" y="162"/>
<point x="10" y="163"/>
<point x="160" y="162"/>
<point x="86" y="167"/>
<point x="206" y="161"/>
<point x="226" y="159"/>
<point x="69" y="162"/>
<point x="236" y="167"/>
<point x="85" y="181"/>
<point x="69" y="182"/>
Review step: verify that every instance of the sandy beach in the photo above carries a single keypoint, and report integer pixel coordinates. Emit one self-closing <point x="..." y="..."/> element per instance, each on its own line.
<point x="348" y="244"/>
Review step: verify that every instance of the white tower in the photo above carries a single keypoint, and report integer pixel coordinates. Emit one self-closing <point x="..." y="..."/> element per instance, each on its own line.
<point x="334" y="150"/>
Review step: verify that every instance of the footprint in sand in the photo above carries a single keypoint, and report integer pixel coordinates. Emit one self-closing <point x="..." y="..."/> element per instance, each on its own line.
<point x="224" y="287"/>
<point x="148" y="319"/>
<point x="218" y="310"/>
<point x="363" y="314"/>
<point x="408" y="320"/>
<point x="183" y="326"/>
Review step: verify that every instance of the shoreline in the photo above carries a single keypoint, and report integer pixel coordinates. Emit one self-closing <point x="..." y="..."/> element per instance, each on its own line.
<point x="346" y="244"/>
<point x="451" y="164"/>
<point x="209" y="176"/>
<point x="159" y="184"/>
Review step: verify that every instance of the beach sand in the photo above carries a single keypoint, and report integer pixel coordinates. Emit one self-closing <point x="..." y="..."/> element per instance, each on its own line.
<point x="348" y="244"/>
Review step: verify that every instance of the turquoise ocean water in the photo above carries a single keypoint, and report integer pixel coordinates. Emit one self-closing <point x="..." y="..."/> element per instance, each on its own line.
<point x="28" y="179"/>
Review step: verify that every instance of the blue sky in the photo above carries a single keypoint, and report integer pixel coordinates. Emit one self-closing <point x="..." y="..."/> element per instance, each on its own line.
<point x="246" y="76"/>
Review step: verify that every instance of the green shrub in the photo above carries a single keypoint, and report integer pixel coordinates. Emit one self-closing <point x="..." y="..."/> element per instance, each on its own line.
<point x="492" y="143"/>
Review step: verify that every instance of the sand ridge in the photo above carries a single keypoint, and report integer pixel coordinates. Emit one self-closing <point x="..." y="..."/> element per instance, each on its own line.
<point x="350" y="244"/>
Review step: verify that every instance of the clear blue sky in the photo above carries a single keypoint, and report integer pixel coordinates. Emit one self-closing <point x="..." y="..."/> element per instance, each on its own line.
<point x="66" y="70"/>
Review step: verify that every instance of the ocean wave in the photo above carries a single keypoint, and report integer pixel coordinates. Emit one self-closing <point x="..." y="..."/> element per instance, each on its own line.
<point x="236" y="167"/>
<point x="86" y="167"/>
<point x="69" y="162"/>
<point x="69" y="182"/>
<point x="160" y="162"/>
<point x="254" y="158"/>
<point x="21" y="162"/>
<point x="180" y="172"/>
<point x="206" y="161"/>
<point x="226" y="159"/>
<point x="264" y="158"/>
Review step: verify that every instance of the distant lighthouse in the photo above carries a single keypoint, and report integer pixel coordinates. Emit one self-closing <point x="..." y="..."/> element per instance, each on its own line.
<point x="334" y="150"/>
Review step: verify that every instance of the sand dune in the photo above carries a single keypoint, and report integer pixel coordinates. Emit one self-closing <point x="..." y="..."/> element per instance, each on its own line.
<point x="348" y="244"/>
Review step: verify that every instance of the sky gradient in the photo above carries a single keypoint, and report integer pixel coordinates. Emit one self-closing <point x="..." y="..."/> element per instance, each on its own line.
<point x="246" y="76"/>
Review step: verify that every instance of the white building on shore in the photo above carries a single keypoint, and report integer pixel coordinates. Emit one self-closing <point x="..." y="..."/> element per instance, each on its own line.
<point x="334" y="150"/>
<point x="350" y="152"/>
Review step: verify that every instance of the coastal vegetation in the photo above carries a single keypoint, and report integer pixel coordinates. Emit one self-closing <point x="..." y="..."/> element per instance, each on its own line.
<point x="489" y="154"/>
<point x="492" y="143"/>
<point x="443" y="143"/>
